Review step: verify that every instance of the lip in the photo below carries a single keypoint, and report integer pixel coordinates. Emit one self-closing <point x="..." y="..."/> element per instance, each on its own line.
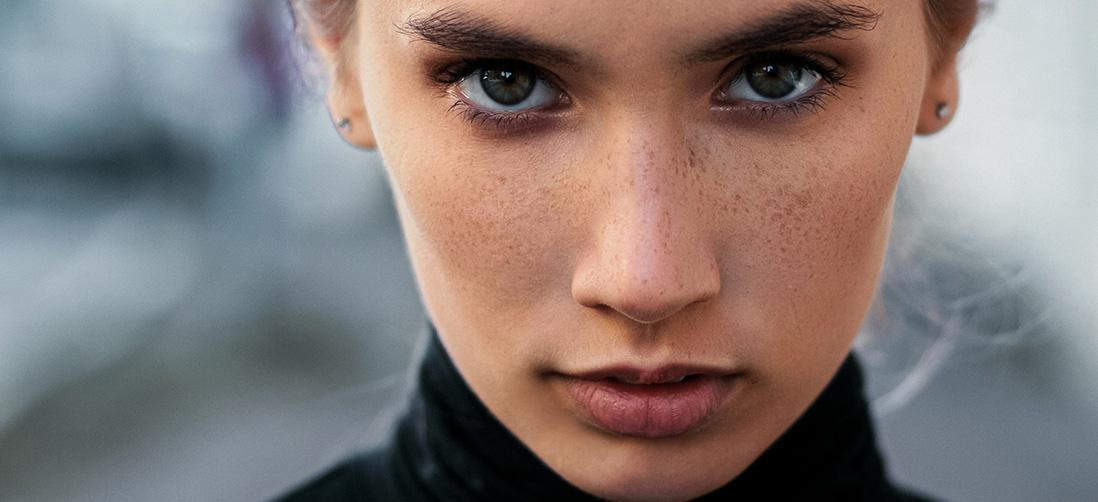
<point x="650" y="403"/>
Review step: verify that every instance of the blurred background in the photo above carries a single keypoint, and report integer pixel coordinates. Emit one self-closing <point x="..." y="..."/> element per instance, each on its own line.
<point x="204" y="293"/>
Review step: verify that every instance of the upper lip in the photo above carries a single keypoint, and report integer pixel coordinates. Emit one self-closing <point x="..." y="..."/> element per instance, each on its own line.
<point x="665" y="374"/>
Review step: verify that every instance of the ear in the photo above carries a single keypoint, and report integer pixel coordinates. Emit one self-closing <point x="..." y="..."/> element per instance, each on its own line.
<point x="346" y="104"/>
<point x="940" y="98"/>
<point x="348" y="109"/>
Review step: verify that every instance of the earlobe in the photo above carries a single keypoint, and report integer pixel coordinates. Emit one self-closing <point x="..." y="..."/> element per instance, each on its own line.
<point x="346" y="104"/>
<point x="939" y="100"/>
<point x="348" y="111"/>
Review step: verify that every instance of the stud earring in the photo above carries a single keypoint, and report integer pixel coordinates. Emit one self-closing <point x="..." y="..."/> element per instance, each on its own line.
<point x="943" y="110"/>
<point x="344" y="125"/>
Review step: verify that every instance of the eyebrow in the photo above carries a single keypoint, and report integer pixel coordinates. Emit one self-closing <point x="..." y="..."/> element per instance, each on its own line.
<point x="458" y="31"/>
<point x="793" y="25"/>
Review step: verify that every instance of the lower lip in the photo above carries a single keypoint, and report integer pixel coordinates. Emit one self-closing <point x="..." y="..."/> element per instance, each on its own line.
<point x="649" y="411"/>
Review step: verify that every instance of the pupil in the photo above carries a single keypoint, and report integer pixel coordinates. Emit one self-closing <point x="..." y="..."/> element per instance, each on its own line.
<point x="775" y="81"/>
<point x="508" y="85"/>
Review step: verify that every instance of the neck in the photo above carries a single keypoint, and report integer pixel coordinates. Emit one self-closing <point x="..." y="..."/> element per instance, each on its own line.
<point x="449" y="443"/>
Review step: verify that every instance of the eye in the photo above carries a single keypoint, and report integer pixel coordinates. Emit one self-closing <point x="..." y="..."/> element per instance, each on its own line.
<point x="773" y="77"/>
<point x="508" y="86"/>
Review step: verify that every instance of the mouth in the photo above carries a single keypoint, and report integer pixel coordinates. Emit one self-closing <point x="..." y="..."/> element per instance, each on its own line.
<point x="649" y="404"/>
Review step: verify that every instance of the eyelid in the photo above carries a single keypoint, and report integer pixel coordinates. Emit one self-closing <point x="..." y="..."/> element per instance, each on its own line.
<point x="454" y="72"/>
<point x="832" y="75"/>
<point x="824" y="66"/>
<point x="547" y="91"/>
<point x="451" y="76"/>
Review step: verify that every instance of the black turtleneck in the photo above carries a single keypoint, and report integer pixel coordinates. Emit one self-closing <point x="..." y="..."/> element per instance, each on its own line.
<point x="449" y="447"/>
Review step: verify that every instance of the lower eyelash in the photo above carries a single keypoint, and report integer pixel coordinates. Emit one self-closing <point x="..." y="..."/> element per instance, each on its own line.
<point x="815" y="102"/>
<point x="479" y="116"/>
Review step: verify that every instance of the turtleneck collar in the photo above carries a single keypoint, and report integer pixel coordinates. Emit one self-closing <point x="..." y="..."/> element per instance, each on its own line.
<point x="450" y="447"/>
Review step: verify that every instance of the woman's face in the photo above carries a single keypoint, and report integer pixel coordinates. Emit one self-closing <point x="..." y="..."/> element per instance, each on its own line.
<point x="604" y="197"/>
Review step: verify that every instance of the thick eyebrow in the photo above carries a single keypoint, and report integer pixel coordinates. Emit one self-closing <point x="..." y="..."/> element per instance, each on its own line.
<point x="457" y="31"/>
<point x="795" y="24"/>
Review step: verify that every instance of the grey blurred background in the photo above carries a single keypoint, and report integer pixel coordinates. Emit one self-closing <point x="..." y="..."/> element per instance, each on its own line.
<point x="204" y="293"/>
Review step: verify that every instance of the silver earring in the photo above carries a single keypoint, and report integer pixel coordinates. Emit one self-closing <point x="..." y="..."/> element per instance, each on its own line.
<point x="344" y="125"/>
<point x="943" y="110"/>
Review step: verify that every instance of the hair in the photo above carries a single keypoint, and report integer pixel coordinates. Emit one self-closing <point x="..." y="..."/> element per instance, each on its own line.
<point x="948" y="22"/>
<point x="331" y="21"/>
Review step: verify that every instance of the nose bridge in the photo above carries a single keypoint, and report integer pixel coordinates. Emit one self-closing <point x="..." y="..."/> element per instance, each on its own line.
<point x="646" y="192"/>
<point x="651" y="254"/>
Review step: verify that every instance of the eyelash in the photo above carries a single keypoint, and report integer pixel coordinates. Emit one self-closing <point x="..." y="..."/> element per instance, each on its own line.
<point x="479" y="116"/>
<point x="815" y="101"/>
<point x="452" y="74"/>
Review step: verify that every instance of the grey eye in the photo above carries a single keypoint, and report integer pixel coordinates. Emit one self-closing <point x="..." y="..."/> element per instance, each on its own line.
<point x="775" y="81"/>
<point x="508" y="86"/>
<point x="772" y="79"/>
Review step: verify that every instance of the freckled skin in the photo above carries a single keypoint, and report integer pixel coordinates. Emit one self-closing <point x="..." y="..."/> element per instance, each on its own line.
<point x="646" y="226"/>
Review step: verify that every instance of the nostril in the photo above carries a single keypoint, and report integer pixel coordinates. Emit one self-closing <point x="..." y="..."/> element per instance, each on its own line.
<point x="644" y="299"/>
<point x="649" y="314"/>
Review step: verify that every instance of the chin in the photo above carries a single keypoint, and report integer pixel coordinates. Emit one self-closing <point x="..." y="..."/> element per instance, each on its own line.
<point x="660" y="488"/>
<point x="652" y="475"/>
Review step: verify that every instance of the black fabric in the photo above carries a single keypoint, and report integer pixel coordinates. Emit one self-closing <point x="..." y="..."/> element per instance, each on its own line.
<point x="449" y="447"/>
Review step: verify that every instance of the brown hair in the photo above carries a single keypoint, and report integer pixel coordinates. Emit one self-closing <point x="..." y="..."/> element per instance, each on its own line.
<point x="948" y="21"/>
<point x="329" y="20"/>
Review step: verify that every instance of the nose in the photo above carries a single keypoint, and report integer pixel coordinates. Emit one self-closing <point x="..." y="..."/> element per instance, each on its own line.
<point x="651" y="253"/>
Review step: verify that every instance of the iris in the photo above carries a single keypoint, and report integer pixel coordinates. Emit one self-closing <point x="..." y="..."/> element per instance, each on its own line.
<point x="774" y="81"/>
<point x="509" y="84"/>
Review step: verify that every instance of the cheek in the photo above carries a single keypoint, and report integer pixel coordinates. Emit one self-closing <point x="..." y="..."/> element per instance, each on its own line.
<point x="494" y="227"/>
<point x="828" y="218"/>
<point x="813" y="225"/>
<point x="488" y="224"/>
